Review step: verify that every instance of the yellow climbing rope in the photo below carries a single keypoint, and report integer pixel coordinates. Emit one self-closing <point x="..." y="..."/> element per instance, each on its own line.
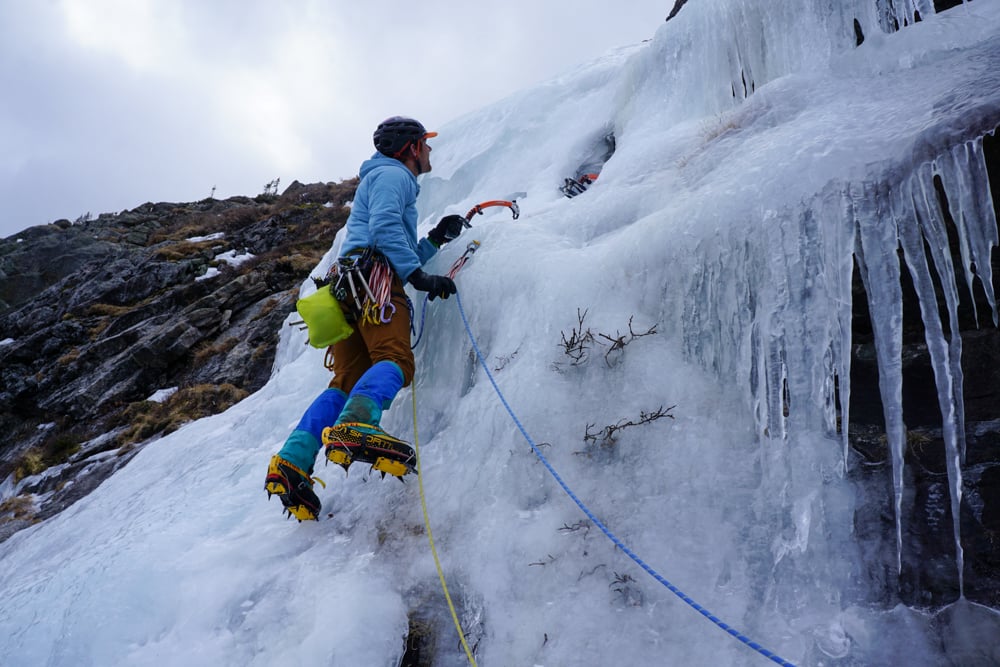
<point x="430" y="536"/>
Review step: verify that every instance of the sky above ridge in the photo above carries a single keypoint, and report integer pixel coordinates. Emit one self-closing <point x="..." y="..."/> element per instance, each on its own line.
<point x="112" y="103"/>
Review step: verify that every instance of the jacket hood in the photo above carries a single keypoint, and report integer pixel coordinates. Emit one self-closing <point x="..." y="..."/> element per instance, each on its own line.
<point x="378" y="160"/>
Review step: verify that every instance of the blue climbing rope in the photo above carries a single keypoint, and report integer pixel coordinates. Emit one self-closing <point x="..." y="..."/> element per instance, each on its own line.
<point x="413" y="322"/>
<point x="455" y="268"/>
<point x="597" y="522"/>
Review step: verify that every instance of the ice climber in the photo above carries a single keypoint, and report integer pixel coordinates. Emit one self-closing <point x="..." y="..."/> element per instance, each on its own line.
<point x="379" y="254"/>
<point x="591" y="168"/>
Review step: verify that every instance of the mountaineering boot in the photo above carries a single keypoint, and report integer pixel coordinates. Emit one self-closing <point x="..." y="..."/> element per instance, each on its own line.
<point x="286" y="474"/>
<point x="294" y="487"/>
<point x="356" y="436"/>
<point x="352" y="441"/>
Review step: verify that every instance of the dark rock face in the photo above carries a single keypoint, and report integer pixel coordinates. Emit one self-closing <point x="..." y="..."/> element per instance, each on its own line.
<point x="42" y="256"/>
<point x="676" y="8"/>
<point x="99" y="315"/>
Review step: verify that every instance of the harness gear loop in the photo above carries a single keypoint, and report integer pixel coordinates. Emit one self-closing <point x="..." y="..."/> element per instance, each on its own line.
<point x="368" y="281"/>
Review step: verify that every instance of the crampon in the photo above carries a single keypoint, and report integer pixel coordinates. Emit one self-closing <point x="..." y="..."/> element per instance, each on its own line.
<point x="294" y="487"/>
<point x="354" y="442"/>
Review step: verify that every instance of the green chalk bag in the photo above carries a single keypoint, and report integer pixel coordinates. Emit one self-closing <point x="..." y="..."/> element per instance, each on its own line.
<point x="324" y="318"/>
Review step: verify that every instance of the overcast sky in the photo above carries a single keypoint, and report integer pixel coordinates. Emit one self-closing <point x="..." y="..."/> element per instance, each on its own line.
<point x="108" y="104"/>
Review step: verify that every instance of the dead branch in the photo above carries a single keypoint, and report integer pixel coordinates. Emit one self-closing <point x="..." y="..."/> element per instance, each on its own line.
<point x="607" y="436"/>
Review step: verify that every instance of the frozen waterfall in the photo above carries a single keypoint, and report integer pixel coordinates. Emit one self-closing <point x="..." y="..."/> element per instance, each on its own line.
<point x="764" y="159"/>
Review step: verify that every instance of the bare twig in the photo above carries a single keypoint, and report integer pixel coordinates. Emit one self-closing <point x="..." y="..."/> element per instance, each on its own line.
<point x="575" y="527"/>
<point x="578" y="344"/>
<point x="503" y="361"/>
<point x="551" y="559"/>
<point x="618" y="341"/>
<point x="607" y="436"/>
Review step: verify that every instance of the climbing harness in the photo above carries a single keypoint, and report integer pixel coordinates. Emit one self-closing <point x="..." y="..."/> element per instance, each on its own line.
<point x="430" y="535"/>
<point x="597" y="522"/>
<point x="380" y="279"/>
<point x="367" y="278"/>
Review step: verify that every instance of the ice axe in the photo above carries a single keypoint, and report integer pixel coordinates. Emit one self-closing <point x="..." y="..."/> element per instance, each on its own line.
<point x="510" y="202"/>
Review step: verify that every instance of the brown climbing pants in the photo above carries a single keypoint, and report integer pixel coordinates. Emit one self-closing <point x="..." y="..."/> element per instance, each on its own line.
<point x="371" y="343"/>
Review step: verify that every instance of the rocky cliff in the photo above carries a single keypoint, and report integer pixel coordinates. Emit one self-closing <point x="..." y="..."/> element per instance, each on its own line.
<point x="98" y="316"/>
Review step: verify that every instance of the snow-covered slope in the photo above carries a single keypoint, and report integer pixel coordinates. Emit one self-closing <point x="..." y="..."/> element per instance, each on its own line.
<point x="727" y="222"/>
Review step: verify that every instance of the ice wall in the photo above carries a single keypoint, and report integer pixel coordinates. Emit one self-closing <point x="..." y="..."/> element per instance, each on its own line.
<point x="761" y="154"/>
<point x="789" y="333"/>
<point x="717" y="52"/>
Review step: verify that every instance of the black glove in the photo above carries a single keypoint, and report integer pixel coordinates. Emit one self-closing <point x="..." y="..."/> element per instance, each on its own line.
<point x="447" y="229"/>
<point x="436" y="286"/>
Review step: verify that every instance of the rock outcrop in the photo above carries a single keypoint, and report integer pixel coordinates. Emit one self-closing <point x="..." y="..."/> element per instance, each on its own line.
<point x="100" y="314"/>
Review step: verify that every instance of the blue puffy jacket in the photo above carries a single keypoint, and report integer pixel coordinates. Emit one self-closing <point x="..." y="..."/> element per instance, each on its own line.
<point x="384" y="216"/>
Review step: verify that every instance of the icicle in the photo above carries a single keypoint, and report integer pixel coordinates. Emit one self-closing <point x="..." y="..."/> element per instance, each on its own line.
<point x="879" y="268"/>
<point x="907" y="214"/>
<point x="925" y="8"/>
<point x="840" y="268"/>
<point x="904" y="12"/>
<point x="775" y="359"/>
<point x="932" y="224"/>
<point x="966" y="184"/>
<point x="777" y="376"/>
<point x="886" y="15"/>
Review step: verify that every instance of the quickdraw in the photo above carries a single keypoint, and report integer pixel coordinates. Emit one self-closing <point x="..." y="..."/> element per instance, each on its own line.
<point x="366" y="278"/>
<point x="380" y="279"/>
<point x="460" y="262"/>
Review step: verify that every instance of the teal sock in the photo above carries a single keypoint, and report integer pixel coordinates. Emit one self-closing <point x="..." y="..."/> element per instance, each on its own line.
<point x="360" y="409"/>
<point x="300" y="450"/>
